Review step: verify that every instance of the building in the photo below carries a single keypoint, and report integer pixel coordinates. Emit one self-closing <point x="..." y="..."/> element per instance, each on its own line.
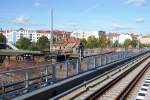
<point x="41" y="33"/>
<point x="85" y="34"/>
<point x="145" y="39"/>
<point x="113" y="36"/>
<point x="123" y="37"/>
<point x="67" y="45"/>
<point x="14" y="35"/>
<point x="119" y="37"/>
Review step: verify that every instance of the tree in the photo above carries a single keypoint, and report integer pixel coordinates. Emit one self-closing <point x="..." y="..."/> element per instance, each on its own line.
<point x="135" y="43"/>
<point x="92" y="42"/>
<point x="2" y="38"/>
<point x="43" y="43"/>
<point x="103" y="41"/>
<point x="33" y="46"/>
<point x="84" y="42"/>
<point x="116" y="44"/>
<point x="127" y="43"/>
<point x="23" y="43"/>
<point x="109" y="43"/>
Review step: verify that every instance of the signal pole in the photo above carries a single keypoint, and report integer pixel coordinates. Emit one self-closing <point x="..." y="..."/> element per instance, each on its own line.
<point x="51" y="32"/>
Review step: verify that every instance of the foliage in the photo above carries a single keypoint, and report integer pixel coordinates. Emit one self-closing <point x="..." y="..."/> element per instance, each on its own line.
<point x="116" y="43"/>
<point x="43" y="43"/>
<point x="146" y="45"/>
<point x="109" y="43"/>
<point x="33" y="46"/>
<point x="55" y="39"/>
<point x="103" y="41"/>
<point x="92" y="42"/>
<point x="23" y="43"/>
<point x="127" y="43"/>
<point x="134" y="43"/>
<point x="2" y="38"/>
<point x="84" y="42"/>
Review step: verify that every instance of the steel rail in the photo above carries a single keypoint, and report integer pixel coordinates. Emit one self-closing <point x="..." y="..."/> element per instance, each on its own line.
<point x="87" y="82"/>
<point x="106" y="87"/>
<point x="129" y="88"/>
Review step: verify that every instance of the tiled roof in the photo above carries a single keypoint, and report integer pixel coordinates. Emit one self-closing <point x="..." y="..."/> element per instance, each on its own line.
<point x="68" y="43"/>
<point x="112" y="34"/>
<point x="55" y="32"/>
<point x="145" y="36"/>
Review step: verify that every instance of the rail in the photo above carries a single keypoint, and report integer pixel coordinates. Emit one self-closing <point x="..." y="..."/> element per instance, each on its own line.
<point x="124" y="93"/>
<point x="79" y="90"/>
<point x="21" y="81"/>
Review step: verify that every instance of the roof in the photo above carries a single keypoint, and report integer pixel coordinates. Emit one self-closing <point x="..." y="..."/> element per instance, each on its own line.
<point x="145" y="36"/>
<point x="66" y="42"/>
<point x="112" y="34"/>
<point x="17" y="52"/>
<point x="21" y="29"/>
<point x="55" y="32"/>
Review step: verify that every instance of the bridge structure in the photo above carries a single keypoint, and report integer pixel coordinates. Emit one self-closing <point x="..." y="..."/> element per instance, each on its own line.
<point x="48" y="80"/>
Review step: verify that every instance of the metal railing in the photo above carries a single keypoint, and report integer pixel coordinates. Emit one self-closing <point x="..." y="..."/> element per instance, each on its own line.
<point x="21" y="81"/>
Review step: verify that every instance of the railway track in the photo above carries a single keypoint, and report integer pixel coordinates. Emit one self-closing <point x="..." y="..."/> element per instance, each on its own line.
<point x="112" y="85"/>
<point x="120" y="89"/>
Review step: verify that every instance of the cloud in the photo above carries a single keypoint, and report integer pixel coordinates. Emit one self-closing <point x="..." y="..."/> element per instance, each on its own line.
<point x="119" y="27"/>
<point x="36" y="4"/>
<point x="136" y="2"/>
<point x="21" y="20"/>
<point x="140" y="20"/>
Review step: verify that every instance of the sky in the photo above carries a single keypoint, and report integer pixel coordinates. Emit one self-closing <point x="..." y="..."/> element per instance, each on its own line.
<point x="124" y="16"/>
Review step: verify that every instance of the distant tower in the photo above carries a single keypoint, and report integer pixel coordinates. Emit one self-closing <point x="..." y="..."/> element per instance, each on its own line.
<point x="101" y="33"/>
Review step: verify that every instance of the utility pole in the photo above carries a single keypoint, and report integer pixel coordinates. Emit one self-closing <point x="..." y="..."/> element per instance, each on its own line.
<point x="51" y="32"/>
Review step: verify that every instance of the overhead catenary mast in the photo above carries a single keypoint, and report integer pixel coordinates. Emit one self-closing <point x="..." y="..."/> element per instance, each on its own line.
<point x="51" y="32"/>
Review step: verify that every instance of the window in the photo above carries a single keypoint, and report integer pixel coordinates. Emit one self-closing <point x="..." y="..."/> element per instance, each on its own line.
<point x="143" y="89"/>
<point x="146" y="85"/>
<point x="30" y="36"/>
<point x="21" y="35"/>
<point x="141" y="94"/>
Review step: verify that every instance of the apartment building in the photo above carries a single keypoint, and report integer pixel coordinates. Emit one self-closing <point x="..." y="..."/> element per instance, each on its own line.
<point x="14" y="35"/>
<point x="85" y="34"/>
<point x="145" y="39"/>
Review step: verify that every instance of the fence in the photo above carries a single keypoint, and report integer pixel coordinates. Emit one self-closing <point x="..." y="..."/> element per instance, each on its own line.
<point x="20" y="81"/>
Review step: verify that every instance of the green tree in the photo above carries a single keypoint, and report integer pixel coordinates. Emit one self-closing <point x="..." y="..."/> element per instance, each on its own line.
<point x="109" y="43"/>
<point x="116" y="43"/>
<point x="2" y="38"/>
<point x="43" y="43"/>
<point x="92" y="42"/>
<point x="84" y="42"/>
<point x="33" y="46"/>
<point x="127" y="43"/>
<point x="23" y="43"/>
<point x="140" y="44"/>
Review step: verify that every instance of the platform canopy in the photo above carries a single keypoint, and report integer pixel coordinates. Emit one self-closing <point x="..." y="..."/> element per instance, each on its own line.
<point x="18" y="52"/>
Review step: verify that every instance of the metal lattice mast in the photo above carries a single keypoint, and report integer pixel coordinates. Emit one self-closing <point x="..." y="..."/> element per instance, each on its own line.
<point x="51" y="32"/>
